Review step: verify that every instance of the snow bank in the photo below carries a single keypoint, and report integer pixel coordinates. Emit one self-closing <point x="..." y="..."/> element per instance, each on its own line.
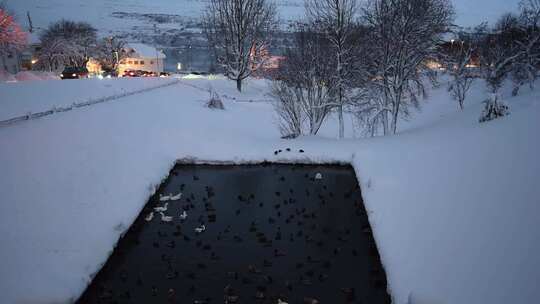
<point x="36" y="75"/>
<point x="27" y="76"/>
<point x="6" y="77"/>
<point x="454" y="207"/>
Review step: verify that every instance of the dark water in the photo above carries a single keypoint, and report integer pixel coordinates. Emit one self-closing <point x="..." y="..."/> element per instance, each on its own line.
<point x="272" y="231"/>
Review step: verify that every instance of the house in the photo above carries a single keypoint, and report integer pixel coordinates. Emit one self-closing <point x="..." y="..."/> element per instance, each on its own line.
<point x="94" y="67"/>
<point x="270" y="63"/>
<point x="10" y="61"/>
<point x="29" y="54"/>
<point x="141" y="57"/>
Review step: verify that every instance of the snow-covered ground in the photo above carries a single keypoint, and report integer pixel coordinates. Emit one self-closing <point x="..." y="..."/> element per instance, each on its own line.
<point x="453" y="203"/>
<point x="21" y="98"/>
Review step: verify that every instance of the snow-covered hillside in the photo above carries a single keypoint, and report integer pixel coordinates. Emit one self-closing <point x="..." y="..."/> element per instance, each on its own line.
<point x="116" y="16"/>
<point x="453" y="203"/>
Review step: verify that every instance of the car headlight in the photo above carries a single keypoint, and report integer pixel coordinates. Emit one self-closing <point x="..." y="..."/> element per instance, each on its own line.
<point x="74" y="75"/>
<point x="61" y="75"/>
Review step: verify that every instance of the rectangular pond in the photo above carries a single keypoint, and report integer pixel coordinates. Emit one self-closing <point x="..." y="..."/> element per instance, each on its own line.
<point x="247" y="234"/>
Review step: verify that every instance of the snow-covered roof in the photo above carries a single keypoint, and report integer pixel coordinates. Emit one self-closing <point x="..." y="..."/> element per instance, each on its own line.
<point x="33" y="38"/>
<point x="146" y="51"/>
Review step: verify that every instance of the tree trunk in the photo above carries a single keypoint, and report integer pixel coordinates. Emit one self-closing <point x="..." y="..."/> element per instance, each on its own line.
<point x="385" y="123"/>
<point x="239" y="85"/>
<point x="341" y="123"/>
<point x="395" y="117"/>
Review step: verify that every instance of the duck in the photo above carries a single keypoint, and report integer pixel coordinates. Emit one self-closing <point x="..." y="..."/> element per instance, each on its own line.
<point x="279" y="253"/>
<point x="311" y="301"/>
<point x="162" y="208"/>
<point x="200" y="229"/>
<point x="231" y="299"/>
<point x="164" y="198"/>
<point x="318" y="176"/>
<point x="175" y="197"/>
<point x="183" y="216"/>
<point x="165" y="218"/>
<point x="149" y="217"/>
<point x="279" y="301"/>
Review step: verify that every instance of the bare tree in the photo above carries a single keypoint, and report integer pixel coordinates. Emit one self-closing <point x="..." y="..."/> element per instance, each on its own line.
<point x="53" y="54"/>
<point x="336" y="19"/>
<point x="371" y="110"/>
<point x="111" y="52"/>
<point x="239" y="30"/>
<point x="525" y="67"/>
<point x="498" y="53"/>
<point x="78" y="41"/>
<point x="305" y="82"/>
<point x="404" y="35"/>
<point x="530" y="13"/>
<point x="288" y="110"/>
<point x="500" y="49"/>
<point x="457" y="59"/>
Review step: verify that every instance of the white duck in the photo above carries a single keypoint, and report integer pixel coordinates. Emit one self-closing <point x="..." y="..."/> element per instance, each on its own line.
<point x="164" y="198"/>
<point x="149" y="217"/>
<point x="165" y="218"/>
<point x="200" y="229"/>
<point x="162" y="208"/>
<point x="318" y="176"/>
<point x="281" y="302"/>
<point x="183" y="216"/>
<point x="176" y="197"/>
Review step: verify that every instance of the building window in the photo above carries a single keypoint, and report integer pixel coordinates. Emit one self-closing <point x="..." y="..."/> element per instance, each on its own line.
<point x="142" y="62"/>
<point x="151" y="62"/>
<point x="130" y="62"/>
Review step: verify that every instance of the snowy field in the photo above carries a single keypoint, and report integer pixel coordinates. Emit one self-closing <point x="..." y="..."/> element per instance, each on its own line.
<point x="19" y="98"/>
<point x="453" y="204"/>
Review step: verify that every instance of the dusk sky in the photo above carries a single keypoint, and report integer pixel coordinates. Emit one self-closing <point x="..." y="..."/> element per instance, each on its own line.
<point x="473" y="12"/>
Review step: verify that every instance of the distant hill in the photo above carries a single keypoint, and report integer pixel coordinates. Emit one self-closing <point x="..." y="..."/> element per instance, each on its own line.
<point x="119" y="16"/>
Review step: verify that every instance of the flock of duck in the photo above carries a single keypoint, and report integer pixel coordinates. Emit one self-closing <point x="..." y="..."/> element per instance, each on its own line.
<point x="289" y="251"/>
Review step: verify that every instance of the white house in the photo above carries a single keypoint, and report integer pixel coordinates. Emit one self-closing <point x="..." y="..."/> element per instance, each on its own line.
<point x="10" y="62"/>
<point x="142" y="57"/>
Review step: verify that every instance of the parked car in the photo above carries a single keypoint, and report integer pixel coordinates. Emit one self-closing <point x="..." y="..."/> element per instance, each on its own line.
<point x="133" y="73"/>
<point x="74" y="73"/>
<point x="149" y="74"/>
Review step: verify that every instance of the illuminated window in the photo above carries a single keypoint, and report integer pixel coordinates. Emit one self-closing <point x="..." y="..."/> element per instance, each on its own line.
<point x="130" y="62"/>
